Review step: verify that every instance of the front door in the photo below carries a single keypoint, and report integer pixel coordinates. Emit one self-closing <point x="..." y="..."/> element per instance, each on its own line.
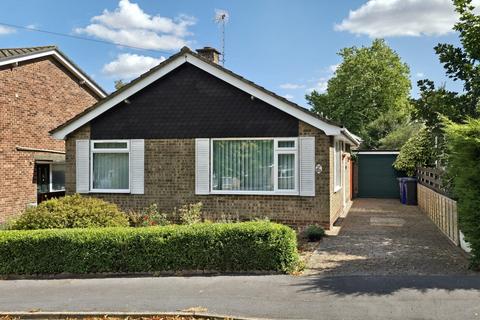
<point x="43" y="178"/>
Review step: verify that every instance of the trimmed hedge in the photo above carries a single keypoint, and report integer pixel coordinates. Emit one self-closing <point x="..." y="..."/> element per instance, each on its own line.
<point x="248" y="246"/>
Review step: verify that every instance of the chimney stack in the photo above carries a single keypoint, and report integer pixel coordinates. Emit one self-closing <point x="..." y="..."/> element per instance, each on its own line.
<point x="210" y="53"/>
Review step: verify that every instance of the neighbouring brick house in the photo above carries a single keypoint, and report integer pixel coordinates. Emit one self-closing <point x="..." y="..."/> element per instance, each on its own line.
<point x="40" y="88"/>
<point x="190" y="130"/>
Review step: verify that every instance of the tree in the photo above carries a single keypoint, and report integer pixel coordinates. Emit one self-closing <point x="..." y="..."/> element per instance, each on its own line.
<point x="463" y="141"/>
<point x="417" y="151"/>
<point x="369" y="83"/>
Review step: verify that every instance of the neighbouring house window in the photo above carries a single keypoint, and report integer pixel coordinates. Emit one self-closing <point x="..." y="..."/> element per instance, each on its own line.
<point x="254" y="166"/>
<point x="110" y="166"/>
<point x="57" y="171"/>
<point x="338" y="164"/>
<point x="50" y="177"/>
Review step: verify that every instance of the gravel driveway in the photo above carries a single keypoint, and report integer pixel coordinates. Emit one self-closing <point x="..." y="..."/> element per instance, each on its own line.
<point x="384" y="237"/>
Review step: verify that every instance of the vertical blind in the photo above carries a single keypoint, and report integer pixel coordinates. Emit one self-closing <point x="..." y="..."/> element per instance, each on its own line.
<point x="110" y="171"/>
<point x="243" y="165"/>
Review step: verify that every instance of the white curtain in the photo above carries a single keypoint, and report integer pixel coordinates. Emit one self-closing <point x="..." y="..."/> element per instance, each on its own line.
<point x="110" y="171"/>
<point x="243" y="165"/>
<point x="286" y="171"/>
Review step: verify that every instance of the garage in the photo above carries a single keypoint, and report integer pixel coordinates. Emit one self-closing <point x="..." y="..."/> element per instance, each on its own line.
<point x="376" y="176"/>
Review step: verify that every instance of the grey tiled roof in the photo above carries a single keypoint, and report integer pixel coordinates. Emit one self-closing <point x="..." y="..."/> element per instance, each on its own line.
<point x="8" y="53"/>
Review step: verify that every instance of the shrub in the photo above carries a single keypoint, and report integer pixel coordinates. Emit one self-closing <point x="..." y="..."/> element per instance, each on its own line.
<point x="247" y="246"/>
<point x="150" y="216"/>
<point x="71" y="212"/>
<point x="191" y="213"/>
<point x="314" y="233"/>
<point x="463" y="145"/>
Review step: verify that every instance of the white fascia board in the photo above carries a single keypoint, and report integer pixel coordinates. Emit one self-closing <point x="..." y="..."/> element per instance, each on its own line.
<point x="329" y="129"/>
<point x="63" y="61"/>
<point x="62" y="133"/>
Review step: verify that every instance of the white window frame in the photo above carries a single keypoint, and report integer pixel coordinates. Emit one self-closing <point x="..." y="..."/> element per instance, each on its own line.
<point x="276" y="152"/>
<point x="51" y="176"/>
<point x="50" y="185"/>
<point x="337" y="187"/>
<point x="109" y="150"/>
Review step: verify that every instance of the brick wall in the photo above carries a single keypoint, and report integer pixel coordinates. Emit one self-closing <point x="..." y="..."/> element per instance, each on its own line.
<point x="170" y="182"/>
<point x="35" y="97"/>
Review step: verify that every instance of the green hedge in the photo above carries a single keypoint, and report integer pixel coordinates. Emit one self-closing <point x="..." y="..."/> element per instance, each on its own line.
<point x="463" y="168"/>
<point x="248" y="246"/>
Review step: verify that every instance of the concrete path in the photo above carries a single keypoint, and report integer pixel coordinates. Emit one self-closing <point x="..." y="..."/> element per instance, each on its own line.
<point x="383" y="237"/>
<point x="277" y="297"/>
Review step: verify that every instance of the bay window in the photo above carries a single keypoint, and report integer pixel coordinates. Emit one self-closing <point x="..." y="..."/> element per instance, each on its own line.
<point x="110" y="166"/>
<point x="254" y="166"/>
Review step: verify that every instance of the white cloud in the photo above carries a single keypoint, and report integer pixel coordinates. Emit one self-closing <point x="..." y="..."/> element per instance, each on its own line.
<point x="321" y="86"/>
<point x="419" y="75"/>
<point x="387" y="18"/>
<point x="130" y="25"/>
<point x="333" y="68"/>
<point x="6" y="30"/>
<point x="31" y="26"/>
<point x="288" y="96"/>
<point x="127" y="66"/>
<point x="291" y="86"/>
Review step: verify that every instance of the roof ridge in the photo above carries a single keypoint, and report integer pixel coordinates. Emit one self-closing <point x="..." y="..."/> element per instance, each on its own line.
<point x="35" y="47"/>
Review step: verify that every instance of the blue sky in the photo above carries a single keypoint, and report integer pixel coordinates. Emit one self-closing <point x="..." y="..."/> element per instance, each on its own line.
<point x="289" y="47"/>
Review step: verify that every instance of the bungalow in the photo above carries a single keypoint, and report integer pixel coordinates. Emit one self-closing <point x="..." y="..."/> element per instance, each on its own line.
<point x="190" y="130"/>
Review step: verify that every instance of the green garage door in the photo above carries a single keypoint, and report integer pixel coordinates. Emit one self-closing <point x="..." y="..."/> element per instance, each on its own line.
<point x="376" y="176"/>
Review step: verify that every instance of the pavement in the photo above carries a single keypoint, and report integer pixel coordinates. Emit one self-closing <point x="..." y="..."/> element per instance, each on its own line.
<point x="384" y="237"/>
<point x="272" y="297"/>
<point x="388" y="262"/>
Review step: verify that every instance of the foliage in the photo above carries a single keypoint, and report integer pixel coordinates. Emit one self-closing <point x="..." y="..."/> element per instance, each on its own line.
<point x="370" y="83"/>
<point x="118" y="84"/>
<point x="314" y="233"/>
<point x="191" y="213"/>
<point x="71" y="212"/>
<point x="247" y="246"/>
<point x="417" y="151"/>
<point x="461" y="64"/>
<point x="397" y="138"/>
<point x="463" y="149"/>
<point x="464" y="63"/>
<point x="149" y="216"/>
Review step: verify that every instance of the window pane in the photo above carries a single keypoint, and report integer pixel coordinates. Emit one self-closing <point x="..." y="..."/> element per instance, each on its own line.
<point x="286" y="171"/>
<point x="110" y="145"/>
<point x="338" y="164"/>
<point x="286" y="144"/>
<point x="243" y="165"/>
<point x="110" y="171"/>
<point x="58" y="177"/>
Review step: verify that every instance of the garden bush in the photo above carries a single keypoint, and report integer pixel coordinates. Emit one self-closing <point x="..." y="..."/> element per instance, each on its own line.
<point x="314" y="233"/>
<point x="463" y="145"/>
<point x="247" y="246"/>
<point x="70" y="212"/>
<point x="150" y="216"/>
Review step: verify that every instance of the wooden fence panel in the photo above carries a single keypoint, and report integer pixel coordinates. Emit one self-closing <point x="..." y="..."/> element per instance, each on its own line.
<point x="441" y="210"/>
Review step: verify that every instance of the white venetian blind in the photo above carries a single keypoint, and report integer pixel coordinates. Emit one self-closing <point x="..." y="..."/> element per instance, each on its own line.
<point x="202" y="166"/>
<point x="82" y="164"/>
<point x="137" y="166"/>
<point x="307" y="166"/>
